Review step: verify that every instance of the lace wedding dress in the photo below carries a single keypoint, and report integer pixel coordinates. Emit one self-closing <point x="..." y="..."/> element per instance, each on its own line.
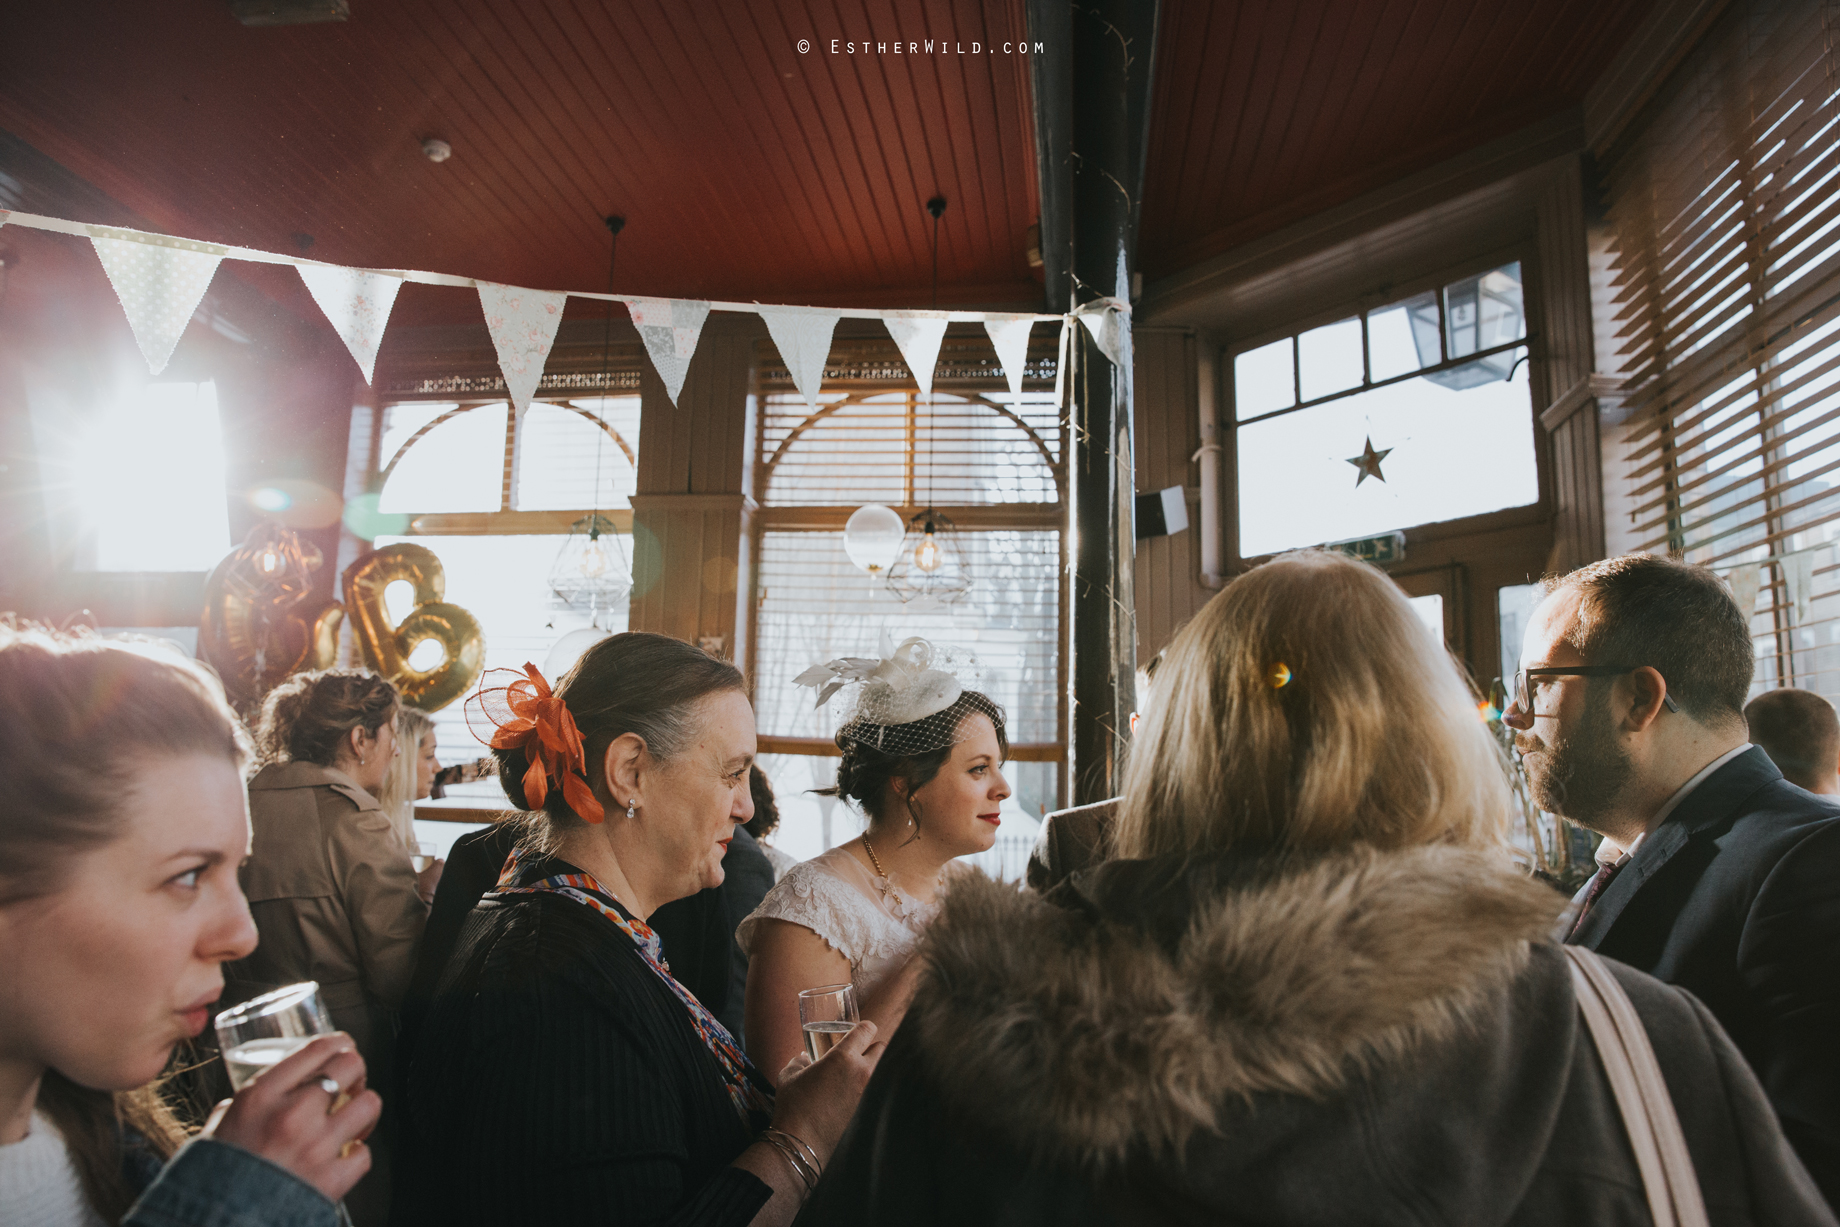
<point x="858" y="914"/>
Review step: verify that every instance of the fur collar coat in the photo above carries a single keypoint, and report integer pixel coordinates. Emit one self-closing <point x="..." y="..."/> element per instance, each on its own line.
<point x="1368" y="1037"/>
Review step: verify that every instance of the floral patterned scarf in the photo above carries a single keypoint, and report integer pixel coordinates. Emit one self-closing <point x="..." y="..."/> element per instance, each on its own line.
<point x="748" y="1090"/>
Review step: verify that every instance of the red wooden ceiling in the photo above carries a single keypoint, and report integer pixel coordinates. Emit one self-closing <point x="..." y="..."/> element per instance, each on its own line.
<point x="1265" y="112"/>
<point x="747" y="169"/>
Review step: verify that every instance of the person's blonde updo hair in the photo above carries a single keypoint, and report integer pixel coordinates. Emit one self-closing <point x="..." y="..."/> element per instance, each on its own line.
<point x="1374" y="739"/>
<point x="306" y="718"/>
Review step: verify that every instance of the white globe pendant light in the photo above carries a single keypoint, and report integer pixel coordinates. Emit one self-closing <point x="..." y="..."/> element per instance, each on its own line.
<point x="872" y="537"/>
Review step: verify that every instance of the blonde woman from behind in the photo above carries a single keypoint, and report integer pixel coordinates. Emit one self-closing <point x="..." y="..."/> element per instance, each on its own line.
<point x="1308" y="987"/>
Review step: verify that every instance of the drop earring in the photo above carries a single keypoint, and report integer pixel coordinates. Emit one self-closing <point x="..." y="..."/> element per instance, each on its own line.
<point x="630" y="807"/>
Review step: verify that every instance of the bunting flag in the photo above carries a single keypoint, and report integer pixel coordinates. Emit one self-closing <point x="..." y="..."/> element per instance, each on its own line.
<point x="357" y="305"/>
<point x="1798" y="578"/>
<point x="1745" y="582"/>
<point x="160" y="282"/>
<point x="803" y="337"/>
<point x="670" y="328"/>
<point x="1109" y="321"/>
<point x="161" y="279"/>
<point x="1011" y="339"/>
<point x="918" y="337"/>
<point x="523" y="326"/>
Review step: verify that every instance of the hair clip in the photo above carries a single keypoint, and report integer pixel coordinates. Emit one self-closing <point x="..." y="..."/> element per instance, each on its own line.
<point x="525" y="714"/>
<point x="1278" y="676"/>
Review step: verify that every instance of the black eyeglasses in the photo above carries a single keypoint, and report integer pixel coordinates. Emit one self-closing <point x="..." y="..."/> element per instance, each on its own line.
<point x="1523" y="696"/>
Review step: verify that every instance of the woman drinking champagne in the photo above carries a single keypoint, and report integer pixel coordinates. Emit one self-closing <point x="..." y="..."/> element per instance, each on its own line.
<point x="122" y="822"/>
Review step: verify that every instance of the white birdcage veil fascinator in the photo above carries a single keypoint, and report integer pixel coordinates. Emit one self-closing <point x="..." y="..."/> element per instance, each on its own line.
<point x="903" y="699"/>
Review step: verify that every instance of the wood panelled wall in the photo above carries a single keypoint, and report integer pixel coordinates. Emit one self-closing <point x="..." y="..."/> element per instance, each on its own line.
<point x="694" y="502"/>
<point x="1168" y="433"/>
<point x="1563" y="321"/>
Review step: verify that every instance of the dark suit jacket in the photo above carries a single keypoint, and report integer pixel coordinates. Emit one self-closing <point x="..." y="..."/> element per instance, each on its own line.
<point x="1071" y="840"/>
<point x="1736" y="898"/>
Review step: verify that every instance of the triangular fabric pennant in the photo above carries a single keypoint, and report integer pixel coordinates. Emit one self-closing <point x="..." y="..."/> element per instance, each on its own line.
<point x="919" y="337"/>
<point x="803" y="337"/>
<point x="1745" y="581"/>
<point x="1011" y="339"/>
<point x="523" y="325"/>
<point x="160" y="282"/>
<point x="357" y="304"/>
<point x="670" y="328"/>
<point x="1798" y="578"/>
<point x="1109" y="321"/>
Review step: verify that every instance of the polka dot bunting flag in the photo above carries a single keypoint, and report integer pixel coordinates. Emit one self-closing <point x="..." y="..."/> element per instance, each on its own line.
<point x="160" y="281"/>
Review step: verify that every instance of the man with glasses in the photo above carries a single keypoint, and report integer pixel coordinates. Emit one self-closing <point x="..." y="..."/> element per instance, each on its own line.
<point x="1715" y="874"/>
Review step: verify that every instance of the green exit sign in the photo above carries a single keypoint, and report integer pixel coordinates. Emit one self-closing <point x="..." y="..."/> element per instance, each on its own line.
<point x="1387" y="547"/>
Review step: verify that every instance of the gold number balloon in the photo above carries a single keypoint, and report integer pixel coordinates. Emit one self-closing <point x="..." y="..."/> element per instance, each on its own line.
<point x="386" y="647"/>
<point x="253" y="631"/>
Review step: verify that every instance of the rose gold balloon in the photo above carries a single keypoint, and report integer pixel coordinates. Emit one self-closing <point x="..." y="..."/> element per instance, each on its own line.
<point x="254" y="630"/>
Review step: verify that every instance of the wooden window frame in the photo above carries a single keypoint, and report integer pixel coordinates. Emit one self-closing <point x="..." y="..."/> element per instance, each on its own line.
<point x="850" y="355"/>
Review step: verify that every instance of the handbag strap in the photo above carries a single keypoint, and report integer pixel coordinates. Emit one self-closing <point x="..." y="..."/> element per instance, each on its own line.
<point x="1641" y="1095"/>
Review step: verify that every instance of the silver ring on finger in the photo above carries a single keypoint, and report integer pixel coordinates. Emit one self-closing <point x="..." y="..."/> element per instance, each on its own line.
<point x="331" y="1087"/>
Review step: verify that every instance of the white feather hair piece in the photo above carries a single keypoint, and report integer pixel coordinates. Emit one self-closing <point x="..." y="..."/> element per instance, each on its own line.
<point x="907" y="683"/>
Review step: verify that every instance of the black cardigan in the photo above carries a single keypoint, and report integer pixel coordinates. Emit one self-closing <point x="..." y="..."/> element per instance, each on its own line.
<point x="557" y="1078"/>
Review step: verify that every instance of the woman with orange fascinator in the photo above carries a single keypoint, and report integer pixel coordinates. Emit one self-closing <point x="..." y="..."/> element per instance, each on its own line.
<point x="611" y="1092"/>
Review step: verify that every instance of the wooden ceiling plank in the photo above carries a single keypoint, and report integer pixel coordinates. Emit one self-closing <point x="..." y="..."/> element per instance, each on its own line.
<point x="1333" y="61"/>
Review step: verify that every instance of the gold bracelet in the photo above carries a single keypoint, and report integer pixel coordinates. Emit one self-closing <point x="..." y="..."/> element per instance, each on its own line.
<point x="799" y="1167"/>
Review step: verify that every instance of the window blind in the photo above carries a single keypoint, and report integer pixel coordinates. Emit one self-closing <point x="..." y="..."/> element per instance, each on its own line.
<point x="1724" y="245"/>
<point x="908" y="449"/>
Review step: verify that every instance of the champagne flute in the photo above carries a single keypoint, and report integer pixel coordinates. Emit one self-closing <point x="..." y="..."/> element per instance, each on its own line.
<point x="827" y="1014"/>
<point x="266" y="1030"/>
<point x="423" y="856"/>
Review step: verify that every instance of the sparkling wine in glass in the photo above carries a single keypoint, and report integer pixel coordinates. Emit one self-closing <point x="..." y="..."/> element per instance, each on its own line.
<point x="827" y="1014"/>
<point x="423" y="857"/>
<point x="262" y="1032"/>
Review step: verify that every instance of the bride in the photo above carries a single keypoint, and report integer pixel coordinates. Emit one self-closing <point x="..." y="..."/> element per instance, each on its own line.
<point x="922" y="758"/>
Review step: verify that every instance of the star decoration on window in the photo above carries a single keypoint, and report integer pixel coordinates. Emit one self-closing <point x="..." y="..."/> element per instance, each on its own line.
<point x="1369" y="461"/>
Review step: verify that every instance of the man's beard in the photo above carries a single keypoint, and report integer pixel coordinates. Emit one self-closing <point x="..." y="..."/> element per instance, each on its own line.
<point x="1583" y="776"/>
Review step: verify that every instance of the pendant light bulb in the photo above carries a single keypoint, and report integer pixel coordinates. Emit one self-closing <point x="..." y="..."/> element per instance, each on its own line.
<point x="926" y="554"/>
<point x="594" y="561"/>
<point x="270" y="562"/>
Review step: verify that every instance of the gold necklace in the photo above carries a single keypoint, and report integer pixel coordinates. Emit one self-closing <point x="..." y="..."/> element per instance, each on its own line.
<point x="874" y="859"/>
<point x="888" y="886"/>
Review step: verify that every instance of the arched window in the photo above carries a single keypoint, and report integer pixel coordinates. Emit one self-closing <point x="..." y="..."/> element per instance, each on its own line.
<point x="971" y="449"/>
<point x="494" y="498"/>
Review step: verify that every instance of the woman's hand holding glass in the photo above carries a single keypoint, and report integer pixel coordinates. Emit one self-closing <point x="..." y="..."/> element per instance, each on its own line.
<point x="817" y="1098"/>
<point x="301" y="1101"/>
<point x="309" y="1113"/>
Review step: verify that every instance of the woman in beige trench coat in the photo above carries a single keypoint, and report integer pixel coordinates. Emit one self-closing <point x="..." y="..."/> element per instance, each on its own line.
<point x="334" y="895"/>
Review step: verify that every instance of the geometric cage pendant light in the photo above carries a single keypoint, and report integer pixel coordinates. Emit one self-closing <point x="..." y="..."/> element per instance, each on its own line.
<point x="930" y="570"/>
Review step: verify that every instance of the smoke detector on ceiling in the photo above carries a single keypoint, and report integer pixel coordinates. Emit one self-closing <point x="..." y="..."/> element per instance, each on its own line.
<point x="437" y="150"/>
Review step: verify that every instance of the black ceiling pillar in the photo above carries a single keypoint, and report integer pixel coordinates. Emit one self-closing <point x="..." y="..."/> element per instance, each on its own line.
<point x="1092" y="94"/>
